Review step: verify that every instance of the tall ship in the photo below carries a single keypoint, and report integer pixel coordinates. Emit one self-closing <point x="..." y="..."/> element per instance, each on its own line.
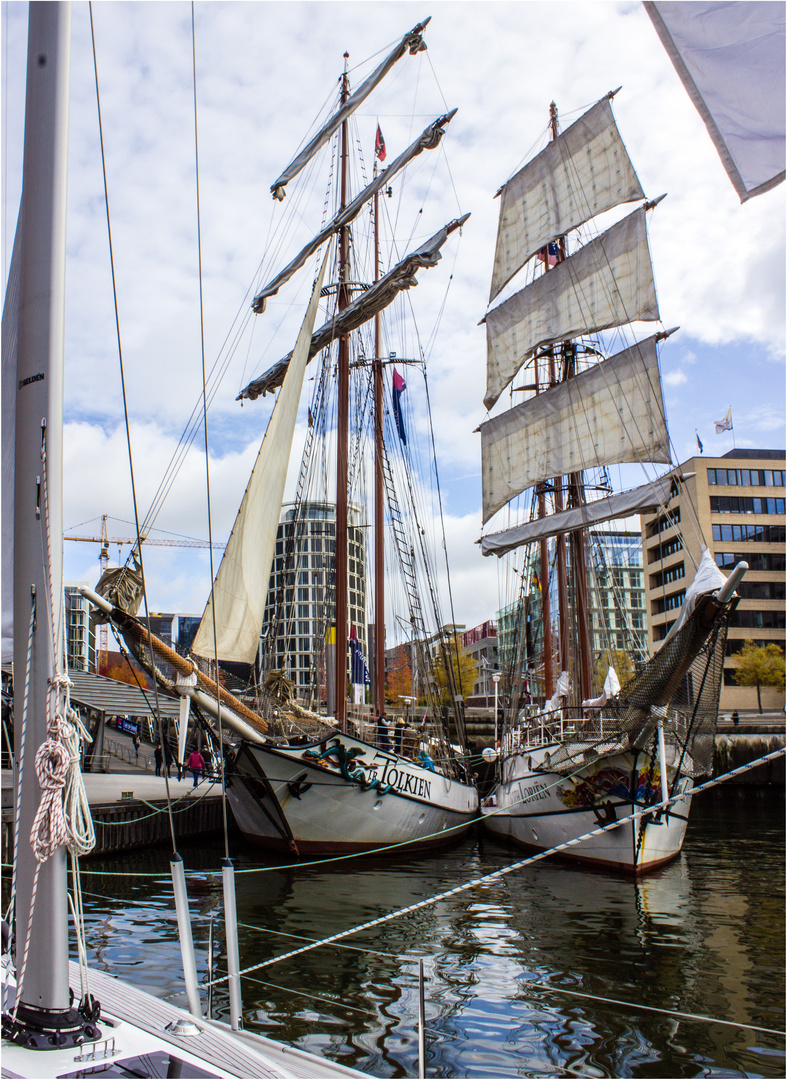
<point x="583" y="744"/>
<point x="311" y="770"/>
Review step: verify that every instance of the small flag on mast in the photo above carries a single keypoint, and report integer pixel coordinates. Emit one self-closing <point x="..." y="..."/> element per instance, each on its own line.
<point x="379" y="145"/>
<point x="399" y="387"/>
<point x="725" y="424"/>
<point x="550" y="254"/>
<point x="699" y="443"/>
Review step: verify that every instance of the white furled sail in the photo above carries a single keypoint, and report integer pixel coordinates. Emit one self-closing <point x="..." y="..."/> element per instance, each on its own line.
<point x="413" y="43"/>
<point x="584" y="172"/>
<point x="608" y="282"/>
<point x="610" y="413"/>
<point x="636" y="501"/>
<point x="241" y="584"/>
<point x="362" y="309"/>
<point x="730" y="58"/>
<point x="427" y="140"/>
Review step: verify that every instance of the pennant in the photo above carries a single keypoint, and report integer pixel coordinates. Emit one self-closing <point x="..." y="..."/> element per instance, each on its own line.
<point x="536" y="581"/>
<point x="379" y="145"/>
<point x="725" y="424"/>
<point x="699" y="443"/>
<point x="399" y="387"/>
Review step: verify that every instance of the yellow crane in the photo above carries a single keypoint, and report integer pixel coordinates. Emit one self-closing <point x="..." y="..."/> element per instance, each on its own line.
<point x="105" y="540"/>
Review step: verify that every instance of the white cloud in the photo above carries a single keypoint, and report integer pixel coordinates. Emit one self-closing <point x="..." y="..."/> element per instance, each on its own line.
<point x="264" y="71"/>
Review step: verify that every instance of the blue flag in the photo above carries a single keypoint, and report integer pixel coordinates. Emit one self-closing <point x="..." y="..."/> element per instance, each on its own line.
<point x="359" y="672"/>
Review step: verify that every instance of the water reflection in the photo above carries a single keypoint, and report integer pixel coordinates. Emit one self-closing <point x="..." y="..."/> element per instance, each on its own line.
<point x="505" y="963"/>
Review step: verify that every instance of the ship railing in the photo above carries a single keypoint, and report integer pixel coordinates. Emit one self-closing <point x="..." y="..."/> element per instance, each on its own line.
<point x="537" y="727"/>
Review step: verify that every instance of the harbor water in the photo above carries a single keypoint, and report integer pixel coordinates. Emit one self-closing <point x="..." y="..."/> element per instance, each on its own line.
<point x="548" y="971"/>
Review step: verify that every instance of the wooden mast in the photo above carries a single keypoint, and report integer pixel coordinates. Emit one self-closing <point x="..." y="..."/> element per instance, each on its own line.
<point x="575" y="498"/>
<point x="342" y="457"/>
<point x="560" y="553"/>
<point x="378" y="690"/>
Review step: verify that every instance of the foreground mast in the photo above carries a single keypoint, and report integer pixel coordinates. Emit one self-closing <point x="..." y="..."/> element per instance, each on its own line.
<point x="38" y="511"/>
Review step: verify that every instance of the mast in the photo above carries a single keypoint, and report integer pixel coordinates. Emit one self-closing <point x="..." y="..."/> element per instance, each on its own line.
<point x="575" y="498"/>
<point x="378" y="690"/>
<point x="38" y="519"/>
<point x="342" y="455"/>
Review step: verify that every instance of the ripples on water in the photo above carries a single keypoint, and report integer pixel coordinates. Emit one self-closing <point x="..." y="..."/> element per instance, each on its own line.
<point x="505" y="964"/>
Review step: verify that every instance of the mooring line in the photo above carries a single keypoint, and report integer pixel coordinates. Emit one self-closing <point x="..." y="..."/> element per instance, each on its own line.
<point x="653" y="1008"/>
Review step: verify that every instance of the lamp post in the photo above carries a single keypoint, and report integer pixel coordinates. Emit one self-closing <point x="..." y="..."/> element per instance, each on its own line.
<point x="496" y="680"/>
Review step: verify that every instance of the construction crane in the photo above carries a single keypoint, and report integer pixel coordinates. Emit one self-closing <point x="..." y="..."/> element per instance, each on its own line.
<point x="105" y="540"/>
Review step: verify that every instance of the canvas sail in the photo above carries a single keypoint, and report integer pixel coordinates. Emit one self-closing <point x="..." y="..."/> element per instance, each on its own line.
<point x="579" y="175"/>
<point x="611" y="413"/>
<point x="361" y="310"/>
<point x="427" y="140"/>
<point x="609" y="282"/>
<point x="413" y="43"/>
<point x="241" y="585"/>
<point x="730" y="58"/>
<point x="636" y="501"/>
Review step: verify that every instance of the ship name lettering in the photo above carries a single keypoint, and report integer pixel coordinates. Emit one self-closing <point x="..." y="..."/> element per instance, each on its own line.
<point x="530" y="794"/>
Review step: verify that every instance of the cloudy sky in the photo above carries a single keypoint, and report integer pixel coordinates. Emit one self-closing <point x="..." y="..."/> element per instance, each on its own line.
<point x="264" y="73"/>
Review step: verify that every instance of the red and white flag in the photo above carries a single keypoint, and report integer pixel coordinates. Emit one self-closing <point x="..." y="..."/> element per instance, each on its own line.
<point x="379" y="145"/>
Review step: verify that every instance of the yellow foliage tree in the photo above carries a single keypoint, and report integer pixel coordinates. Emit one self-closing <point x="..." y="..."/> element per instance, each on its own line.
<point x="451" y="658"/>
<point x="759" y="665"/>
<point x="619" y="660"/>
<point x="398" y="676"/>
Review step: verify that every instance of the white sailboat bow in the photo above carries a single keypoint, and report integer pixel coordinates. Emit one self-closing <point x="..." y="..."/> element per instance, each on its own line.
<point x="579" y="758"/>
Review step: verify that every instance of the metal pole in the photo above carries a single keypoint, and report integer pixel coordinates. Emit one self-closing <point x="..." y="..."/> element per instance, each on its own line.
<point x="184" y="934"/>
<point x="38" y="510"/>
<point x="421" y="1023"/>
<point x="496" y="680"/>
<point x="231" y="930"/>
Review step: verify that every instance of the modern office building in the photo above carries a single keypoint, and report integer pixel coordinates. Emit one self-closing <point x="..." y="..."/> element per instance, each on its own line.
<point x="480" y="644"/>
<point x="736" y="504"/>
<point x="300" y="598"/>
<point x="617" y="594"/>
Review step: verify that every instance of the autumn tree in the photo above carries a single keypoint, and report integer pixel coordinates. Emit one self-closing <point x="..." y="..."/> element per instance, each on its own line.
<point x="759" y="665"/>
<point x="619" y="660"/>
<point x="398" y="676"/>
<point x="451" y="659"/>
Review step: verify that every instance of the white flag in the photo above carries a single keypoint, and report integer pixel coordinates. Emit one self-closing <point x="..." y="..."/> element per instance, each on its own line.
<point x="725" y="424"/>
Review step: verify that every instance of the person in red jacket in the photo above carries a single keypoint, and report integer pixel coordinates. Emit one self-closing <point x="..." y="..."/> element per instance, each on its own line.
<point x="196" y="763"/>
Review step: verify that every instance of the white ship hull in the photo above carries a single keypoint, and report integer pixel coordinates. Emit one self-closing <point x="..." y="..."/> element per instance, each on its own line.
<point x="540" y="810"/>
<point x="297" y="799"/>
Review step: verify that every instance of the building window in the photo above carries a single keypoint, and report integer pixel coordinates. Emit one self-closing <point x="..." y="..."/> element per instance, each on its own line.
<point x="665" y="522"/>
<point x="669" y="603"/>
<point x="744" y="504"/>
<point x="758" y="534"/>
<point x="674" y="573"/>
<point x="758" y="620"/>
<point x="757" y="560"/>
<point x="746" y="477"/>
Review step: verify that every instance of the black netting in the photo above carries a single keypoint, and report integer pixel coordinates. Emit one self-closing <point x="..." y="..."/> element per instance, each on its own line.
<point x="680" y="684"/>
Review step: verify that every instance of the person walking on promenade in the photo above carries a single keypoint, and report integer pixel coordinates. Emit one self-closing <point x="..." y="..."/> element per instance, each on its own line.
<point x="158" y="757"/>
<point x="196" y="763"/>
<point x="135" y="741"/>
